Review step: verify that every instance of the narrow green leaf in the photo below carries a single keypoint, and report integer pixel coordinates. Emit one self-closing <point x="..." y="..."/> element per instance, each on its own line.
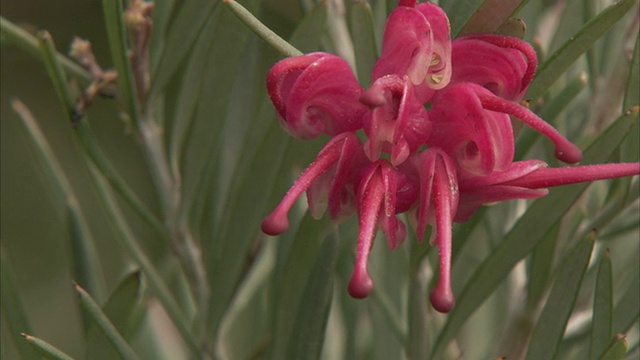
<point x="108" y="329"/>
<point x="417" y="345"/>
<point x="45" y="349"/>
<point x="13" y="311"/>
<point x="117" y="36"/>
<point x="364" y="40"/>
<point x="540" y="217"/>
<point x="27" y="42"/>
<point x="86" y="264"/>
<point x="300" y="263"/>
<point x="266" y="34"/>
<point x="549" y="330"/>
<point x="602" y="323"/>
<point x="617" y="349"/>
<point x="626" y="311"/>
<point x="181" y="35"/>
<point x="269" y="157"/>
<point x="552" y="69"/>
<point x="632" y="93"/>
<point x="490" y="16"/>
<point x="308" y="331"/>
<point x="121" y="309"/>
<point x="540" y="267"/>
<point x="156" y="282"/>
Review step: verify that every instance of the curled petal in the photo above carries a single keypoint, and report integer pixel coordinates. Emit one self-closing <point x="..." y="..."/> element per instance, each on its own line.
<point x="315" y="94"/>
<point x="547" y="177"/>
<point x="502" y="70"/>
<point x="470" y="201"/>
<point x="397" y="123"/>
<point x="480" y="141"/>
<point x="407" y="46"/>
<point x="439" y="73"/>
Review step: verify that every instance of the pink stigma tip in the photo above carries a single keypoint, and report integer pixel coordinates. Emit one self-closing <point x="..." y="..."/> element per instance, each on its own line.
<point x="360" y="285"/>
<point x="442" y="299"/>
<point x="275" y="223"/>
<point x="569" y="153"/>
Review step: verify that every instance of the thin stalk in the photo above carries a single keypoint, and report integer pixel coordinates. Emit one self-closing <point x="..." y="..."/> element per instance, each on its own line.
<point x="27" y="42"/>
<point x="260" y="29"/>
<point x="88" y="143"/>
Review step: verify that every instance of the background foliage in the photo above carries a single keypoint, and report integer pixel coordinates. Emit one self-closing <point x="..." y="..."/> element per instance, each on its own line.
<point x="153" y="207"/>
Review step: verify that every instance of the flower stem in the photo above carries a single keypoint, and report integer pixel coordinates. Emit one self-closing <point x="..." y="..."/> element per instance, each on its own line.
<point x="266" y="34"/>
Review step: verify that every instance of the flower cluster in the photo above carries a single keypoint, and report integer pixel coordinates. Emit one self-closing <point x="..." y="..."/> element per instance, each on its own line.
<point x="438" y="140"/>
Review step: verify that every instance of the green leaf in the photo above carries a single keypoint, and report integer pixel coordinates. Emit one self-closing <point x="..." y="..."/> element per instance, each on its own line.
<point x="551" y="325"/>
<point x="267" y="157"/>
<point x="86" y="263"/>
<point x="541" y="265"/>
<point x="305" y="252"/>
<point x="626" y="311"/>
<point x="156" y="282"/>
<point x="108" y="329"/>
<point x="45" y="349"/>
<point x="490" y="16"/>
<point x="364" y="40"/>
<point x="632" y="93"/>
<point x="602" y="323"/>
<point x="530" y="229"/>
<point x="122" y="310"/>
<point x="13" y="310"/>
<point x="616" y="350"/>
<point x="552" y="69"/>
<point x="308" y="330"/>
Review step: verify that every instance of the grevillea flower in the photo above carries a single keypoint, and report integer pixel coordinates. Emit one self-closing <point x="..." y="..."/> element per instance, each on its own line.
<point x="438" y="141"/>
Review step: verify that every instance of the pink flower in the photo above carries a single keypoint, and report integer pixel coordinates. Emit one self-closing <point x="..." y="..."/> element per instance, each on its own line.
<point x="443" y="163"/>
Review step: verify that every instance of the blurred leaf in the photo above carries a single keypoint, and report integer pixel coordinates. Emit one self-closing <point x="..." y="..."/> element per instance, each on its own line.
<point x="550" y="328"/>
<point x="45" y="349"/>
<point x="156" y="282"/>
<point x="121" y="308"/>
<point x="626" y="312"/>
<point x="602" y="323"/>
<point x="513" y="27"/>
<point x="13" y="310"/>
<point x="14" y="34"/>
<point x="182" y="33"/>
<point x="267" y="158"/>
<point x="304" y="256"/>
<point x="307" y="336"/>
<point x="552" y="69"/>
<point x="490" y="16"/>
<point x="364" y="40"/>
<point x="418" y="345"/>
<point x="541" y="266"/>
<point x="108" y="329"/>
<point x="616" y="350"/>
<point x="539" y="218"/>
<point x="632" y="93"/>
<point x="86" y="264"/>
